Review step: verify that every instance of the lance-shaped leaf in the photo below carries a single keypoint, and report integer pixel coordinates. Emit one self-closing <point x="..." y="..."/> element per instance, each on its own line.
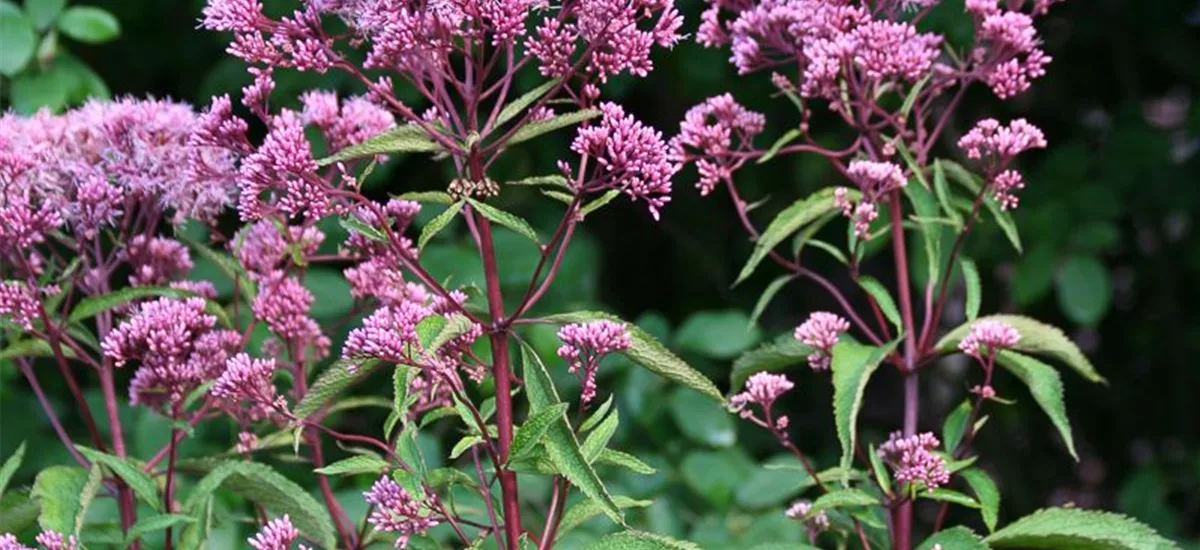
<point x="955" y="426"/>
<point x="339" y="376"/>
<point x="93" y="305"/>
<point x="539" y="127"/>
<point x="1047" y="389"/>
<point x="853" y="365"/>
<point x="639" y="540"/>
<point x="974" y="287"/>
<point x="530" y="434"/>
<point x="511" y="221"/>
<point x="951" y="496"/>
<point x="1037" y="338"/>
<point x="10" y="466"/>
<point x="784" y="352"/>
<point x="435" y="197"/>
<point x="142" y="484"/>
<point x="1062" y="528"/>
<point x="882" y="297"/>
<point x="588" y="509"/>
<point x="598" y="439"/>
<point x="514" y="107"/>
<point x="973" y="184"/>
<point x="841" y="498"/>
<point x="790" y="220"/>
<point x="32" y="348"/>
<point x="613" y="457"/>
<point x="954" y="538"/>
<point x="360" y="464"/>
<point x="986" y="493"/>
<point x="155" y="523"/>
<point x="648" y="352"/>
<point x="437" y="224"/>
<point x="560" y="441"/>
<point x="768" y="294"/>
<point x="407" y="138"/>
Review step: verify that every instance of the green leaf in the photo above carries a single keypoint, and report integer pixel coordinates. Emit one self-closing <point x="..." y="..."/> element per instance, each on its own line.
<point x="650" y="353"/>
<point x="790" y="220"/>
<point x="955" y="426"/>
<point x="784" y="352"/>
<point x="437" y="224"/>
<point x="701" y="420"/>
<point x="560" y="441"/>
<point x="17" y="39"/>
<point x="954" y="538"/>
<point x="973" y="184"/>
<point x="974" y="287"/>
<point x="56" y="490"/>
<point x="552" y="180"/>
<point x="43" y="12"/>
<point x="613" y="457"/>
<point x="951" y="496"/>
<point x="339" y="376"/>
<point x="18" y="512"/>
<point x="927" y="215"/>
<point x="1047" y="389"/>
<point x="783" y="140"/>
<point x="88" y="495"/>
<point x="89" y="24"/>
<point x="539" y="127"/>
<point x="942" y="190"/>
<point x="883" y="298"/>
<point x="530" y="434"/>
<point x="465" y="445"/>
<point x="526" y="99"/>
<point x="600" y="413"/>
<point x="768" y="295"/>
<point x="639" y="540"/>
<point x="1076" y="529"/>
<point x="588" y="509"/>
<point x="511" y="221"/>
<point x="435" y="197"/>
<point x="142" y="484"/>
<point x="402" y="377"/>
<point x="1037" y="338"/>
<point x="853" y="365"/>
<point x="598" y="439"/>
<point x="32" y="348"/>
<point x="841" y="498"/>
<point x="598" y="203"/>
<point x="911" y="98"/>
<point x="881" y="473"/>
<point x="353" y="224"/>
<point x="359" y="464"/>
<point x="986" y="492"/>
<point x="10" y="467"/>
<point x="1084" y="289"/>
<point x="155" y="523"/>
<point x="717" y="334"/>
<point x="229" y="266"/>
<point x="260" y="483"/>
<point x="565" y="198"/>
<point x="195" y="534"/>
<point x="94" y="305"/>
<point x="406" y="138"/>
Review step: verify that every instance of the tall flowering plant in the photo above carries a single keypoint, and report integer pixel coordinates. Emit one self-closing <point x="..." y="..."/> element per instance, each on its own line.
<point x="895" y="88"/>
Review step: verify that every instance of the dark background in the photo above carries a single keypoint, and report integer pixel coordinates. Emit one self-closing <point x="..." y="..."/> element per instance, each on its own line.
<point x="1110" y="254"/>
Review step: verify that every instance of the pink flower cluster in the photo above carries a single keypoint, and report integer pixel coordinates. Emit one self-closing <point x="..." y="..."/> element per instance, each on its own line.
<point x="799" y="511"/>
<point x="994" y="146"/>
<point x="176" y="345"/>
<point x="585" y="345"/>
<point x="710" y="133"/>
<point x="987" y="337"/>
<point x="155" y="260"/>
<point x="762" y="389"/>
<point x="1009" y="48"/>
<point x="913" y="460"/>
<point x="353" y="121"/>
<point x="397" y="511"/>
<point x="876" y="180"/>
<point x="246" y="389"/>
<point x="277" y="534"/>
<point x="19" y="303"/>
<point x="283" y="303"/>
<point x="619" y="34"/>
<point x="631" y="157"/>
<point x="821" y="331"/>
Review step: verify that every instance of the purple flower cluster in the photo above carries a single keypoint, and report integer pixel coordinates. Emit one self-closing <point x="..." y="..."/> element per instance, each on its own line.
<point x="711" y="134"/>
<point x="913" y="460"/>
<point x="277" y="534"/>
<point x="630" y="156"/>
<point x="283" y="304"/>
<point x="994" y="146"/>
<point x="397" y="511"/>
<point x="821" y="331"/>
<point x="352" y="121"/>
<point x="246" y="389"/>
<point x="876" y="180"/>
<point x="585" y="345"/>
<point x="19" y="303"/>
<point x="619" y="33"/>
<point x="155" y="260"/>
<point x="1010" y="47"/>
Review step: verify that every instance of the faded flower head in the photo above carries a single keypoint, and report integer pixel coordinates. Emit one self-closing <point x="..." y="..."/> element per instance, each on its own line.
<point x="821" y="331"/>
<point x="987" y="337"/>
<point x="913" y="460"/>
<point x="397" y="511"/>
<point x="586" y="344"/>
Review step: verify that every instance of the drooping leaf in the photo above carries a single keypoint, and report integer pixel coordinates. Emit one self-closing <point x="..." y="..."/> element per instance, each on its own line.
<point x="1047" y="389"/>
<point x="89" y="24"/>
<point x="789" y="221"/>
<point x="560" y="441"/>
<point x="640" y="540"/>
<point x="56" y="490"/>
<point x="18" y="512"/>
<point x="784" y="352"/>
<point x="974" y="287"/>
<point x="973" y="184"/>
<point x="648" y="352"/>
<point x="588" y="509"/>
<point x="88" y="495"/>
<point x="511" y="221"/>
<point x="522" y="102"/>
<point x="437" y="224"/>
<point x="599" y="202"/>
<point x="406" y="138"/>
<point x="465" y="445"/>
<point x="841" y="498"/>
<point x="539" y="127"/>
<point x="280" y="495"/>
<point x="10" y="466"/>
<point x="1037" y="338"/>
<point x="883" y="298"/>
<point x="359" y="464"/>
<point x="882" y="477"/>
<point x="954" y="538"/>
<point x="1073" y="528"/>
<point x="955" y="426"/>
<point x="142" y="484"/>
<point x="986" y="493"/>
<point x="853" y="365"/>
<point x="339" y="376"/>
<point x="530" y="434"/>
<point x="942" y="190"/>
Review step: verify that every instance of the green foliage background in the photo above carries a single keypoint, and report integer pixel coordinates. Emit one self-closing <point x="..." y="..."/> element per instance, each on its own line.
<point x="1111" y="254"/>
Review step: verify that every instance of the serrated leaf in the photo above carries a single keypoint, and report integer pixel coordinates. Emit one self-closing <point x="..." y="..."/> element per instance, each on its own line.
<point x="784" y="352"/>
<point x="560" y="441"/>
<point x="87" y="495"/>
<point x="883" y="298"/>
<point x="613" y="457"/>
<point x="639" y="540"/>
<point x="402" y="377"/>
<point x="783" y="140"/>
<point x="1037" y="338"/>
<point x="514" y="107"/>
<point x="597" y="440"/>
<point x="951" y="496"/>
<point x="530" y="434"/>
<point x="599" y="414"/>
<point x="56" y="490"/>
<point x="853" y="365"/>
<point x="986" y="493"/>
<point x="89" y="24"/>
<point x="565" y="198"/>
<point x="195" y="534"/>
<point x="260" y="483"/>
<point x="437" y="224"/>
<point x="155" y="523"/>
<point x="339" y="376"/>
<point x="10" y="467"/>
<point x="768" y="294"/>
<point x="598" y="203"/>
<point x="407" y="138"/>
<point x="931" y="225"/>
<point x="509" y="220"/>
<point x="954" y="538"/>
<point x="648" y="352"/>
<point x="974" y="287"/>
<point x="1076" y="529"/>
<point x="790" y="220"/>
<point x="1047" y="389"/>
<point x="588" y="509"/>
<point x="841" y="498"/>
<point x="94" y="305"/>
<point x="142" y="484"/>
<point x="359" y="464"/>
<point x="539" y="127"/>
<point x="955" y="426"/>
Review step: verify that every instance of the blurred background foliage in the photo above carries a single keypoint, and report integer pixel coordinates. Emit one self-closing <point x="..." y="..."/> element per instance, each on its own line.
<point x="1110" y="254"/>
